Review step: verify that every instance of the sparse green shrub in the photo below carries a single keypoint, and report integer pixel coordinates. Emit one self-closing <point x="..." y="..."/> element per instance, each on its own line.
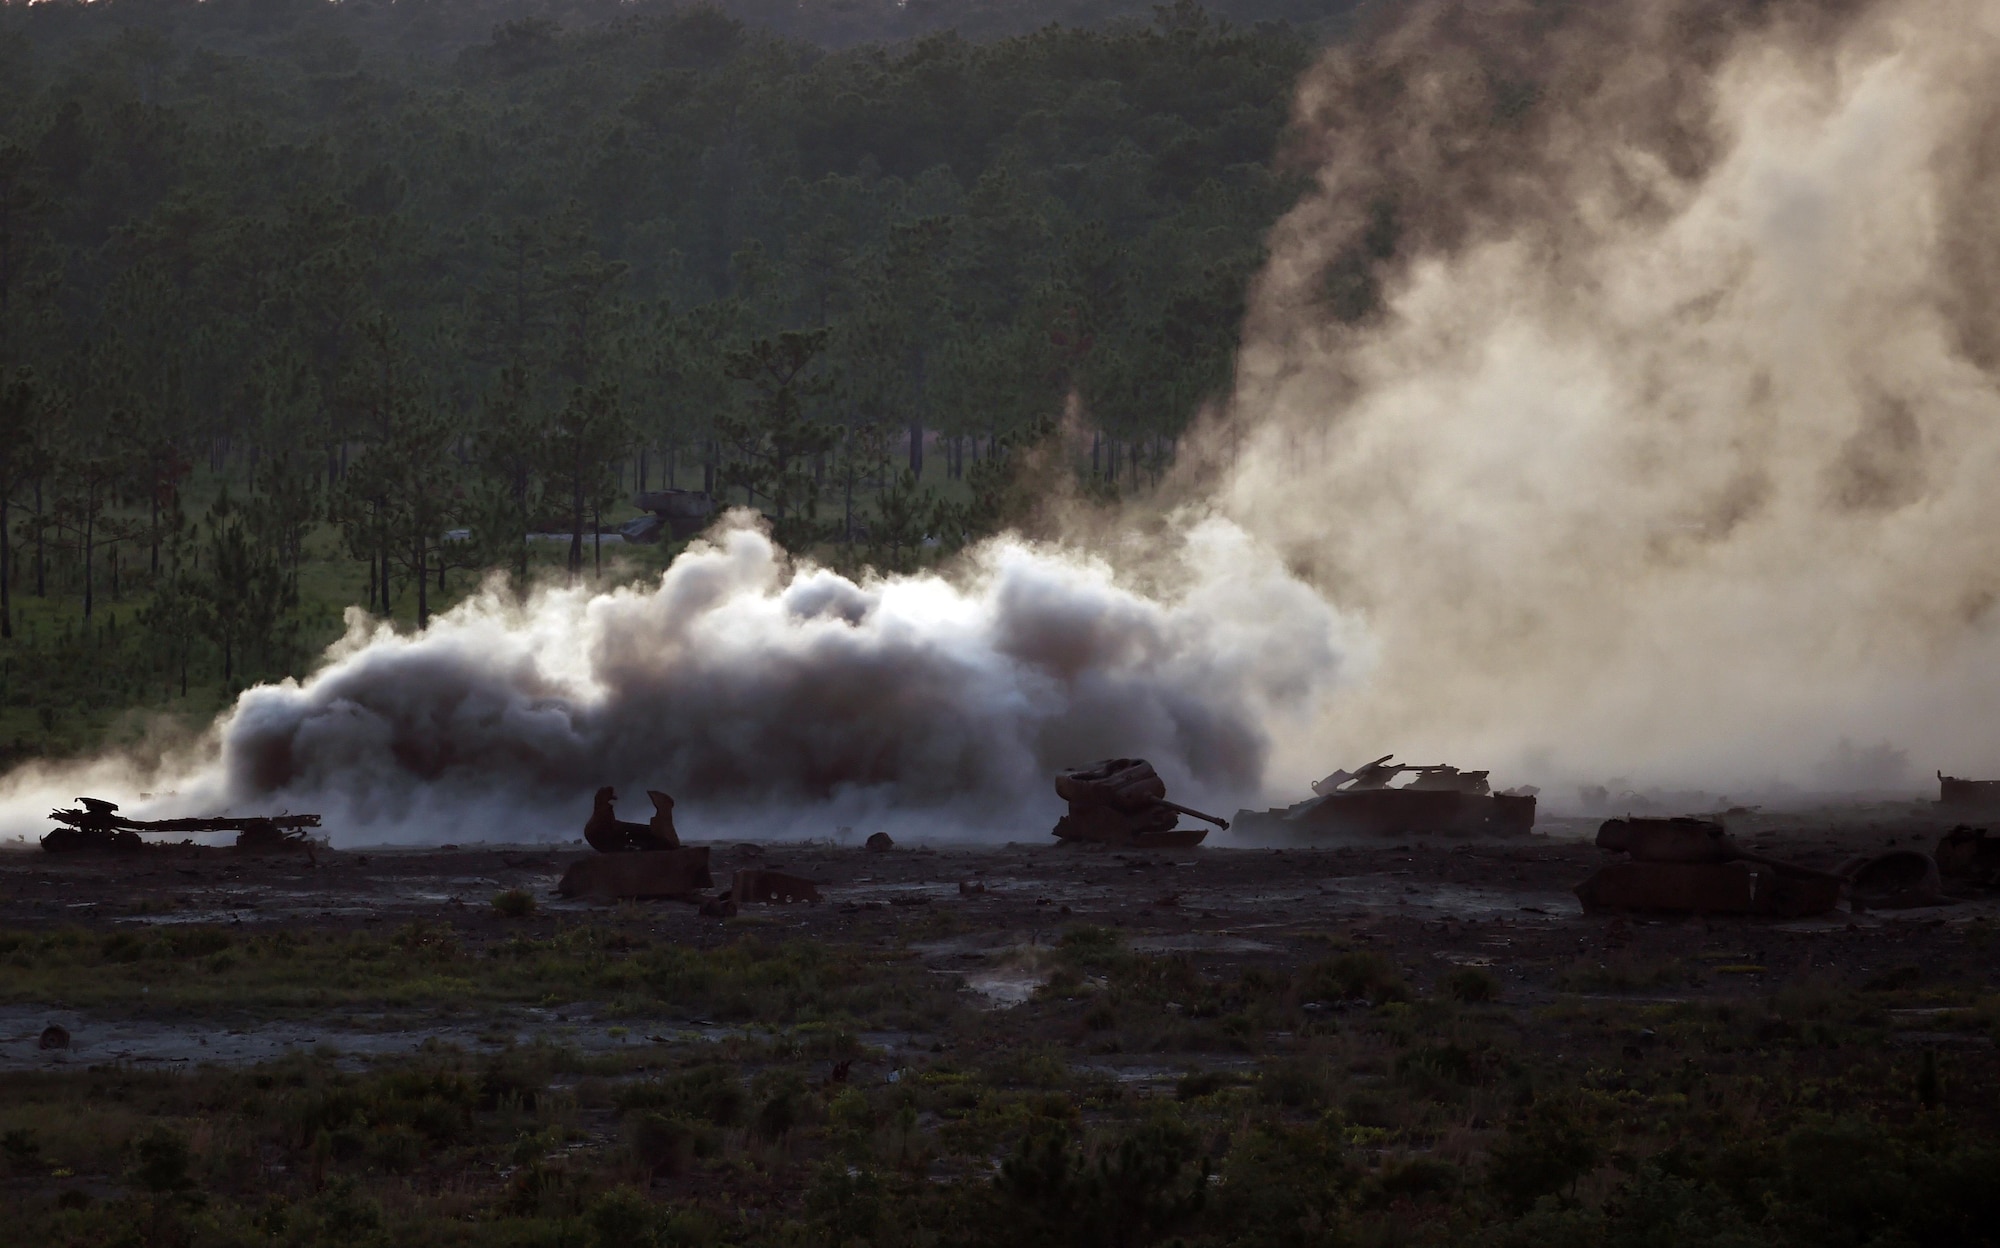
<point x="710" y="1093"/>
<point x="1364" y="1109"/>
<point x="1134" y="1191"/>
<point x="1543" y="1152"/>
<point x="23" y="1153"/>
<point x="621" y="1218"/>
<point x="1471" y="985"/>
<point x="542" y="1189"/>
<point x="395" y="1150"/>
<point x="1090" y="947"/>
<point x="515" y="903"/>
<point x="1200" y="1083"/>
<point x="1413" y="1178"/>
<point x="1448" y="1063"/>
<point x="122" y="947"/>
<point x="664" y="1145"/>
<point x="162" y="1161"/>
<point x="847" y="1207"/>
<point x="1284" y="1186"/>
<point x="190" y="941"/>
<point x="1351" y="976"/>
<point x="782" y="1106"/>
<point x="1295" y="1084"/>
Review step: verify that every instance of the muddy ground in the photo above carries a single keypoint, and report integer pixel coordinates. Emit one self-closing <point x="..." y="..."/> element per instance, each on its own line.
<point x="979" y="918"/>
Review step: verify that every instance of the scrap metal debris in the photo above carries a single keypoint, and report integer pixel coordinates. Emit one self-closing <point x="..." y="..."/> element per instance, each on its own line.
<point x="1439" y="799"/>
<point x="1123" y="801"/>
<point x="95" y="826"/>
<point x="1693" y="865"/>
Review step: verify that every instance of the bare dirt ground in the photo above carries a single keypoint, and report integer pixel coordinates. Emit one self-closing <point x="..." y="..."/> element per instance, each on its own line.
<point x="982" y="918"/>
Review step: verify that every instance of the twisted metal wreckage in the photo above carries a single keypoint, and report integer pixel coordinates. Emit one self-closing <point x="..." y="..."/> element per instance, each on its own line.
<point x="95" y="825"/>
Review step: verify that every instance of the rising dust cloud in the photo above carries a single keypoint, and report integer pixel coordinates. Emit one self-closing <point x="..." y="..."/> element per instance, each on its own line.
<point x="1633" y="380"/>
<point x="1620" y="400"/>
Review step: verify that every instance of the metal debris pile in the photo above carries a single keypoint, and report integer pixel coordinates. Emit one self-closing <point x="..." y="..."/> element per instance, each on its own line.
<point x="1439" y="799"/>
<point x="1123" y="801"/>
<point x="95" y="826"/>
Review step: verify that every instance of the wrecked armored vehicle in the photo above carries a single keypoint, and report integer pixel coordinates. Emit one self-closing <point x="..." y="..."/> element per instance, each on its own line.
<point x="1685" y="865"/>
<point x="95" y="826"/>
<point x="1968" y="794"/>
<point x="679" y="514"/>
<point x="635" y="860"/>
<point x="1439" y="799"/>
<point x="1123" y="801"/>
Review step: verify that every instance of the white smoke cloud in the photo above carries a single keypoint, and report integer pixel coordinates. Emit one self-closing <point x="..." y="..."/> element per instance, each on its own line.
<point x="767" y="695"/>
<point x="1666" y="443"/>
<point x="1622" y="400"/>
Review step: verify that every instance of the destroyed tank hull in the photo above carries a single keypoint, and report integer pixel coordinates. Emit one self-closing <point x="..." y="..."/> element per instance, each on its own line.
<point x="1397" y="812"/>
<point x="1103" y="826"/>
<point x="1707" y="888"/>
<point x="1123" y="802"/>
<point x="1969" y="795"/>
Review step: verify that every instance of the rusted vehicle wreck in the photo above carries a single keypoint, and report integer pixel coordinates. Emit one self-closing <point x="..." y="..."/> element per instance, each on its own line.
<point x="1123" y="801"/>
<point x="1958" y="794"/>
<point x="95" y="826"/>
<point x="1685" y="865"/>
<point x="1439" y="799"/>
<point x="635" y="860"/>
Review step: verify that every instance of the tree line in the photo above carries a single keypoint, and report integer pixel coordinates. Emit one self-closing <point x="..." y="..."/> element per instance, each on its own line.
<point x="266" y="273"/>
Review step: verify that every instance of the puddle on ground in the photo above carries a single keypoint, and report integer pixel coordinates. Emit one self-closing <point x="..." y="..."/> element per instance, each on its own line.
<point x="1007" y="987"/>
<point x="1013" y="978"/>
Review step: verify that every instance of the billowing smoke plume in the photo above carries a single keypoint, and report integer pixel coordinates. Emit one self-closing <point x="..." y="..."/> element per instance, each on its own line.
<point x="1630" y="372"/>
<point x="1624" y="397"/>
<point x="743" y="684"/>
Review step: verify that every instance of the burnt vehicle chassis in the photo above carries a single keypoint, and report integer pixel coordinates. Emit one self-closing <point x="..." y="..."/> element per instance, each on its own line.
<point x="1441" y="800"/>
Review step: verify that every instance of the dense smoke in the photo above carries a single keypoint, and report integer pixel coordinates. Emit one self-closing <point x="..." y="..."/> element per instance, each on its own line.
<point x="764" y="695"/>
<point x="1623" y="398"/>
<point x="1630" y="373"/>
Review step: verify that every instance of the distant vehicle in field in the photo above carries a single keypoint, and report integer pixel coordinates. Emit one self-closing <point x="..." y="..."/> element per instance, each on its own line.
<point x="682" y="513"/>
<point x="1440" y="799"/>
